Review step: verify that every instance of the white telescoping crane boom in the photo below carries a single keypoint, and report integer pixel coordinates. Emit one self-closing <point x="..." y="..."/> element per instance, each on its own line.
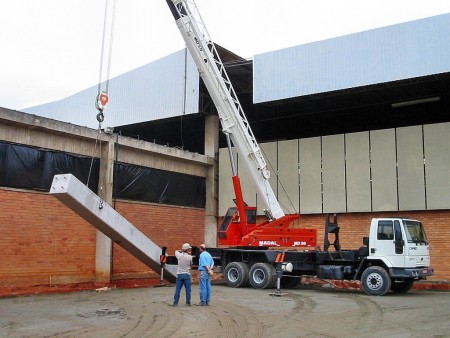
<point x="232" y="117"/>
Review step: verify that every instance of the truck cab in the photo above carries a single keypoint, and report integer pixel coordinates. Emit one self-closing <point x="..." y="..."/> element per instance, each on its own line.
<point x="399" y="246"/>
<point x="400" y="243"/>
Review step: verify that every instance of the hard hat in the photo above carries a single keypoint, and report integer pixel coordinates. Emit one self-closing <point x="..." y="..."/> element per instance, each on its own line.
<point x="185" y="246"/>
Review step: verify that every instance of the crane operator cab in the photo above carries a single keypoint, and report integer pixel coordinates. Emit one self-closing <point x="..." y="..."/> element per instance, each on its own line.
<point x="231" y="230"/>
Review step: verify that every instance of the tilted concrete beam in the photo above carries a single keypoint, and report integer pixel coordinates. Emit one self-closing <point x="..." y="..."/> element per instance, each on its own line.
<point x="78" y="197"/>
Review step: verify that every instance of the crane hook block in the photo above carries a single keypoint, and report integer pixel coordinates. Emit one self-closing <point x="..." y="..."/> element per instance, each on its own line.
<point x="100" y="117"/>
<point x="102" y="101"/>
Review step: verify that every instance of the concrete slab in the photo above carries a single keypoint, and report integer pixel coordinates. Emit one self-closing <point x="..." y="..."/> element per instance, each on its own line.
<point x="78" y="197"/>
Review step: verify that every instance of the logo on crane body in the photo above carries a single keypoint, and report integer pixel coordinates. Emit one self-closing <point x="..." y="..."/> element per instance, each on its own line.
<point x="268" y="243"/>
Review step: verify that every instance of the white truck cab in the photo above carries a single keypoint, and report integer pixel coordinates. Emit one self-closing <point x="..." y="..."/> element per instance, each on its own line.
<point x="399" y="247"/>
<point x="399" y="243"/>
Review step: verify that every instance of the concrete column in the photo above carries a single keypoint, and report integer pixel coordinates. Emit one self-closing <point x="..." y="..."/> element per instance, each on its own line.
<point x="103" y="250"/>
<point x="212" y="192"/>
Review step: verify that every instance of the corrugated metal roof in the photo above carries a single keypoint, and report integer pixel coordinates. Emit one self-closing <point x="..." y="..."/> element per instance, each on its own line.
<point x="164" y="88"/>
<point x="408" y="50"/>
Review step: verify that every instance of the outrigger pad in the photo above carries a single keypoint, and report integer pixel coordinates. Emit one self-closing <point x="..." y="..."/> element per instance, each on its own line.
<point x="78" y="197"/>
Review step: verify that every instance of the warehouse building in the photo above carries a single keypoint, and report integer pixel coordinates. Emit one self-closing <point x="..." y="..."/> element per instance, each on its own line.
<point x="357" y="125"/>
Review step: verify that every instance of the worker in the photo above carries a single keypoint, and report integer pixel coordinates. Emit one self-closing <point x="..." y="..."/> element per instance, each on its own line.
<point x="205" y="268"/>
<point x="184" y="258"/>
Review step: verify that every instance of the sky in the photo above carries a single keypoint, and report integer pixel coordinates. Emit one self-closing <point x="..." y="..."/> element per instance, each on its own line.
<point x="51" y="49"/>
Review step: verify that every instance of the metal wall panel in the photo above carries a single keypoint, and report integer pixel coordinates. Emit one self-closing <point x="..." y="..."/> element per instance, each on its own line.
<point x="288" y="184"/>
<point x="358" y="172"/>
<point x="384" y="170"/>
<point x="381" y="170"/>
<point x="270" y="154"/>
<point x="437" y="165"/>
<point x="333" y="174"/>
<point x="310" y="167"/>
<point x="411" y="180"/>
<point x="226" y="191"/>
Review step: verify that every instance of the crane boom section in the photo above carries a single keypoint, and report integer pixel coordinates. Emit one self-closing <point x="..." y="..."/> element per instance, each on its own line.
<point x="231" y="114"/>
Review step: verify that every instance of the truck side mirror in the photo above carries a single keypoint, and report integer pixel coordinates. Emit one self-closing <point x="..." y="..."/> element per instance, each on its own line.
<point x="366" y="241"/>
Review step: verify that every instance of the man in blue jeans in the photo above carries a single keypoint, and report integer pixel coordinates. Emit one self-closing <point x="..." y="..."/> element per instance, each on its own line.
<point x="205" y="268"/>
<point x="183" y="274"/>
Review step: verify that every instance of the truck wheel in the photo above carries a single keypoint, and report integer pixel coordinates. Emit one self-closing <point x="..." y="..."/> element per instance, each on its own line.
<point x="236" y="274"/>
<point x="375" y="281"/>
<point x="262" y="276"/>
<point x="402" y="287"/>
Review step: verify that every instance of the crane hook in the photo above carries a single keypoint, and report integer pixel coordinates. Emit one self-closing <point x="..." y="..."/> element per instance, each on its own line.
<point x="100" y="117"/>
<point x="101" y="104"/>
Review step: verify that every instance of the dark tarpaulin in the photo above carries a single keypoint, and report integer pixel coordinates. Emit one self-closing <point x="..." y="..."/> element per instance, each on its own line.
<point x="158" y="186"/>
<point x="25" y="167"/>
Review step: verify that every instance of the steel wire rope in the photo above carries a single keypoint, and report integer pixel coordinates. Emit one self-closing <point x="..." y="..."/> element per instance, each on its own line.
<point x="100" y="114"/>
<point x="111" y="39"/>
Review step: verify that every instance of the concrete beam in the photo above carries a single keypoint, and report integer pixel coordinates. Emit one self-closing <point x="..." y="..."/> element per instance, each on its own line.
<point x="212" y="125"/>
<point x="42" y="132"/>
<point x="78" y="197"/>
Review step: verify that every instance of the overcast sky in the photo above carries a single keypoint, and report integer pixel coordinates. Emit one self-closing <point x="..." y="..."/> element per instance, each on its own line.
<point x="51" y="49"/>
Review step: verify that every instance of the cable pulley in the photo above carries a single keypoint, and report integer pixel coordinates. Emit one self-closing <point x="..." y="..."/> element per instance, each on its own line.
<point x="102" y="101"/>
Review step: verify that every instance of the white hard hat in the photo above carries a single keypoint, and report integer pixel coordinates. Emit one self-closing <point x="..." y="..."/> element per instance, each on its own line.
<point x="185" y="246"/>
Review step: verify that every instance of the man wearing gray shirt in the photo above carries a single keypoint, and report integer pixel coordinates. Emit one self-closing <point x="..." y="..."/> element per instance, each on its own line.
<point x="183" y="273"/>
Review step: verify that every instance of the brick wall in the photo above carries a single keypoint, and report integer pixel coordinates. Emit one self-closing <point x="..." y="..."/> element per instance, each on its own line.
<point x="43" y="242"/>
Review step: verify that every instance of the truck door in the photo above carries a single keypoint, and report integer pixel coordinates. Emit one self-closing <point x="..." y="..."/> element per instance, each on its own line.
<point x="389" y="242"/>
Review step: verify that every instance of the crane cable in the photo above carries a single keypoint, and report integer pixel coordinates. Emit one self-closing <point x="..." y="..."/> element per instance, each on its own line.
<point x="102" y="95"/>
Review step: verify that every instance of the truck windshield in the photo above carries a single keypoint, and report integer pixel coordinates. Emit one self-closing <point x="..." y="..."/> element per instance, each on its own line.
<point x="415" y="232"/>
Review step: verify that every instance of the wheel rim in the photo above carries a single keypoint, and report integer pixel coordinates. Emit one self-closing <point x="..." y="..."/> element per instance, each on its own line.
<point x="233" y="275"/>
<point x="259" y="276"/>
<point x="374" y="281"/>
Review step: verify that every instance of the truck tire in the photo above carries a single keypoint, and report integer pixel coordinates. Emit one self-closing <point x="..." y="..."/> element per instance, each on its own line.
<point x="236" y="274"/>
<point x="375" y="281"/>
<point x="262" y="276"/>
<point x="402" y="287"/>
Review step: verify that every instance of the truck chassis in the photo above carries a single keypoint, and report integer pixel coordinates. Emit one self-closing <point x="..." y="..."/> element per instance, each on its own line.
<point x="260" y="268"/>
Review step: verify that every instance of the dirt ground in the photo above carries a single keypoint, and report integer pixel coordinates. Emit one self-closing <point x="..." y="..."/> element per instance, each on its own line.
<point x="244" y="312"/>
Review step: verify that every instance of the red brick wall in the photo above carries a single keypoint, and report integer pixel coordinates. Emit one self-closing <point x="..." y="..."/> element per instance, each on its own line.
<point x="43" y="242"/>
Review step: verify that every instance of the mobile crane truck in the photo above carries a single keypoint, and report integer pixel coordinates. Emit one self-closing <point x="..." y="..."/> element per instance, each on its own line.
<point x="396" y="252"/>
